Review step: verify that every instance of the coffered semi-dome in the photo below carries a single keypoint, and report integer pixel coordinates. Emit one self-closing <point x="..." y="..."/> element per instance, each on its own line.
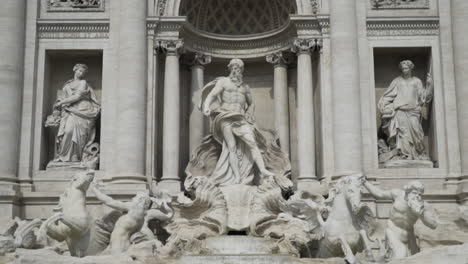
<point x="237" y="17"/>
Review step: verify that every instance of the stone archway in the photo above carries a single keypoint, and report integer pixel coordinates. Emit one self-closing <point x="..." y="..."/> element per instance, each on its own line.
<point x="303" y="7"/>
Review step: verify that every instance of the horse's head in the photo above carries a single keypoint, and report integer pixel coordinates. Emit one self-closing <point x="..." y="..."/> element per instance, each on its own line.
<point x="350" y="187"/>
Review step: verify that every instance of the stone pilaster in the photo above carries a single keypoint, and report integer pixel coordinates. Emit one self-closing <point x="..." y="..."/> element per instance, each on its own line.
<point x="305" y="112"/>
<point x="12" y="32"/>
<point x="196" y="123"/>
<point x="171" y="116"/>
<point x="460" y="44"/>
<point x="345" y="85"/>
<point x="280" y="63"/>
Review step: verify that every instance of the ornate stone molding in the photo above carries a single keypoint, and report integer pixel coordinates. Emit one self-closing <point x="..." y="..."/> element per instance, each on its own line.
<point x="161" y="7"/>
<point x="240" y="47"/>
<point x="315" y="6"/>
<point x="425" y="27"/>
<point x="399" y="4"/>
<point x="301" y="45"/>
<point x="279" y="58"/>
<point x="75" y="5"/>
<point x="198" y="59"/>
<point x="170" y="47"/>
<point x="64" y="30"/>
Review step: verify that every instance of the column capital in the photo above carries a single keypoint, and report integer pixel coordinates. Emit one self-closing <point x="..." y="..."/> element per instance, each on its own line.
<point x="303" y="45"/>
<point x="279" y="58"/>
<point x="170" y="47"/>
<point x="198" y="59"/>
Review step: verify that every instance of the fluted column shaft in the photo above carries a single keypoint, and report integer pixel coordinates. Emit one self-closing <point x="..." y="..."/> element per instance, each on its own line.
<point x="196" y="125"/>
<point x="345" y="83"/>
<point x="131" y="127"/>
<point x="460" y="44"/>
<point x="171" y="117"/>
<point x="280" y="88"/>
<point x="12" y="32"/>
<point x="305" y="112"/>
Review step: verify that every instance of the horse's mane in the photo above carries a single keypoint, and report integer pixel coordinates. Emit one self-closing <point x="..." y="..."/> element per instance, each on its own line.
<point x="339" y="185"/>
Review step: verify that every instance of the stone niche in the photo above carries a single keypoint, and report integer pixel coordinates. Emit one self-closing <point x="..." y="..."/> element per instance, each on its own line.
<point x="58" y="70"/>
<point x="386" y="69"/>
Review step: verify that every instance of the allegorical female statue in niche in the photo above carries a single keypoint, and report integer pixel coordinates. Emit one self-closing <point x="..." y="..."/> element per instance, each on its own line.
<point x="75" y="115"/>
<point x="401" y="111"/>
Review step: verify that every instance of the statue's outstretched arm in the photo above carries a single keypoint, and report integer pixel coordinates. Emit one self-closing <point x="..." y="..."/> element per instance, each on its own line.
<point x="107" y="200"/>
<point x="377" y="192"/>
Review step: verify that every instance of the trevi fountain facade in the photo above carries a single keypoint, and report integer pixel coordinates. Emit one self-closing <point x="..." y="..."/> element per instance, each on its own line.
<point x="234" y="131"/>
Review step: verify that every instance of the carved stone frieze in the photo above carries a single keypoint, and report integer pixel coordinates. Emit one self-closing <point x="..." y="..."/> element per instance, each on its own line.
<point x="403" y="28"/>
<point x="97" y="30"/>
<point x="75" y="5"/>
<point x="399" y="4"/>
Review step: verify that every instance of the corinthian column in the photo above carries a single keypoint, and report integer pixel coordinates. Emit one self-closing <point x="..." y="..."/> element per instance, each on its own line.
<point x="196" y="125"/>
<point x="171" y="116"/>
<point x="460" y="44"/>
<point x="131" y="127"/>
<point x="280" y="88"/>
<point x="12" y="32"/>
<point x="305" y="112"/>
<point x="345" y="83"/>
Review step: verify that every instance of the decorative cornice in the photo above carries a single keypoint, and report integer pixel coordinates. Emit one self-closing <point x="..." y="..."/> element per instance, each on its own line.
<point x="399" y="4"/>
<point x="75" y="6"/>
<point x="73" y="30"/>
<point x="427" y="27"/>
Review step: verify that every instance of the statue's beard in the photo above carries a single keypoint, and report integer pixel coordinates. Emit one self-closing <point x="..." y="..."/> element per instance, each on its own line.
<point x="236" y="77"/>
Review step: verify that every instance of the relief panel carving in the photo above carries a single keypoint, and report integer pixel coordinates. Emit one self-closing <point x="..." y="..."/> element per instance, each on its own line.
<point x="75" y="5"/>
<point x="399" y="4"/>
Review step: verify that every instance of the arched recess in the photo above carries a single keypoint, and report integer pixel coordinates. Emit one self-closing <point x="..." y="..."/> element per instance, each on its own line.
<point x="303" y="7"/>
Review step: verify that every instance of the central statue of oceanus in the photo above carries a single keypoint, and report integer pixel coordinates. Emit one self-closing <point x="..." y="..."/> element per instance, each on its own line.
<point x="236" y="152"/>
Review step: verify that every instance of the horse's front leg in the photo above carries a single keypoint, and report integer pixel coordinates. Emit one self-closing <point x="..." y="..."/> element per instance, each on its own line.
<point x="367" y="245"/>
<point x="348" y="253"/>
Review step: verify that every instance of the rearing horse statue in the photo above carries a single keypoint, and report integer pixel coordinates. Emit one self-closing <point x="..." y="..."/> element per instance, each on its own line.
<point x="349" y="221"/>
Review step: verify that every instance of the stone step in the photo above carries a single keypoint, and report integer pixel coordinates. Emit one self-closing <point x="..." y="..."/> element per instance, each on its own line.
<point x="239" y="245"/>
<point x="253" y="259"/>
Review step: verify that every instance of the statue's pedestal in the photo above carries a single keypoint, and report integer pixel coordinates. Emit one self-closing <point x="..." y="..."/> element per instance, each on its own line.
<point x="75" y="166"/>
<point x="239" y="199"/>
<point x="239" y="250"/>
<point x="400" y="164"/>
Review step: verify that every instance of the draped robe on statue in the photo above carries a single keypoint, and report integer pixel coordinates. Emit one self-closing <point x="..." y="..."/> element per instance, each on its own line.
<point x="77" y="128"/>
<point x="211" y="158"/>
<point x="403" y="128"/>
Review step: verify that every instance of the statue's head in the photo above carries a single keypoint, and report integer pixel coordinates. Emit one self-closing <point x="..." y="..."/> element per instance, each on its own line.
<point x="82" y="180"/>
<point x="406" y="67"/>
<point x="413" y="195"/>
<point x="350" y="187"/>
<point x="236" y="66"/>
<point x="80" y="70"/>
<point x="143" y="199"/>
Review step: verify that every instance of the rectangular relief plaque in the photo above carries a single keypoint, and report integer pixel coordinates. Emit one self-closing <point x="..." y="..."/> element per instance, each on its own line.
<point x="75" y="5"/>
<point x="399" y="4"/>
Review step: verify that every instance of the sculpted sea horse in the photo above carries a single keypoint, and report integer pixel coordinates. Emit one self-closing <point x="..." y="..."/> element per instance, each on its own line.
<point x="73" y="224"/>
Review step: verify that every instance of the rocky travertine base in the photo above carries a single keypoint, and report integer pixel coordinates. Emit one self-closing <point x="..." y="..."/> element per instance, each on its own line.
<point x="143" y="255"/>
